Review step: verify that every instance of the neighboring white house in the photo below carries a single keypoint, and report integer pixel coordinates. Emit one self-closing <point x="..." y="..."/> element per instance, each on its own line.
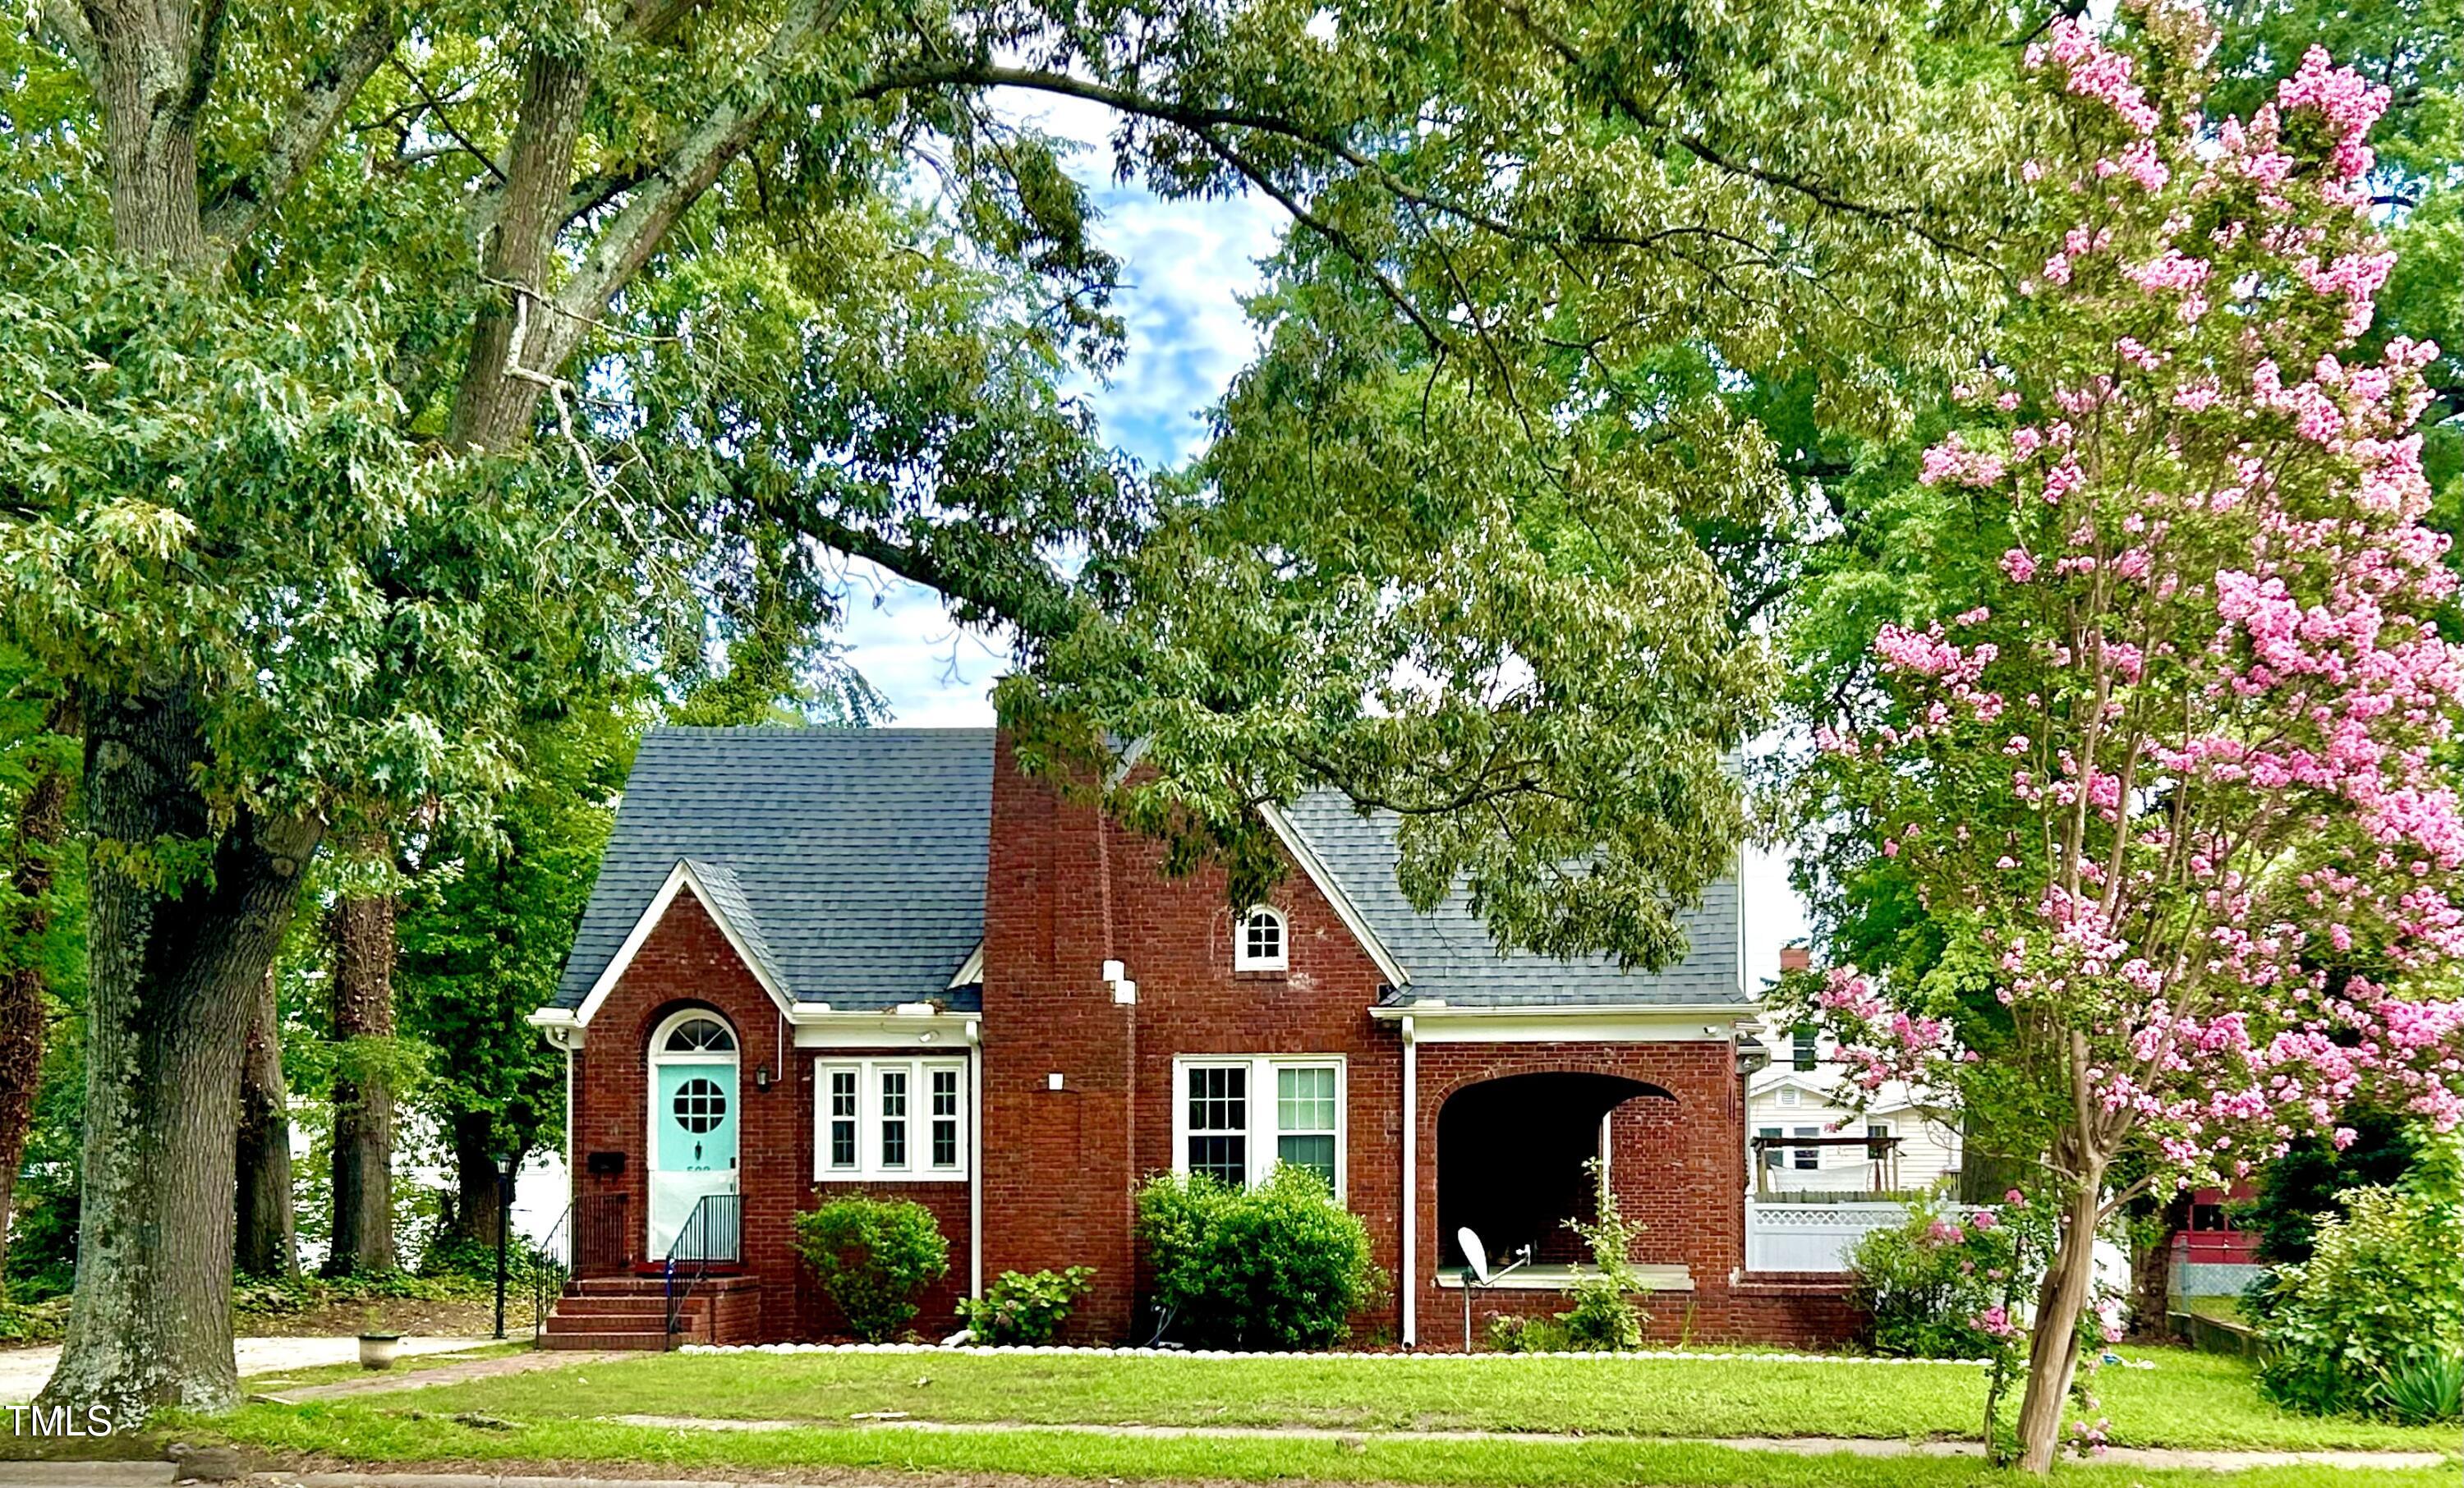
<point x="1803" y="1092"/>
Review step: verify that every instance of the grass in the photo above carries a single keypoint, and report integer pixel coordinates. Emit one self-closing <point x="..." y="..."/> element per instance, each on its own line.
<point x="364" y="1434"/>
<point x="2190" y="1400"/>
<point x="2224" y="1309"/>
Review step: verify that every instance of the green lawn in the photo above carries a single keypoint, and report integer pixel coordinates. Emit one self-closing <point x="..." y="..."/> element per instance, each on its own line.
<point x="2190" y="1400"/>
<point x="364" y="1434"/>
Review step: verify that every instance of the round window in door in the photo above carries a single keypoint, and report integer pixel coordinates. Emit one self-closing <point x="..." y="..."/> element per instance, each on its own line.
<point x="693" y="1111"/>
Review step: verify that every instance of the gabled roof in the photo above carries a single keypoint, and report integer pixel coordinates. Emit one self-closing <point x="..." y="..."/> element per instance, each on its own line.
<point x="1449" y="954"/>
<point x="852" y="861"/>
<point x="850" y="864"/>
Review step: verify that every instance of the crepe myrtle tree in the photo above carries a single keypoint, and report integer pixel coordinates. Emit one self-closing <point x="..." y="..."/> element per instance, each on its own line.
<point x="2167" y="771"/>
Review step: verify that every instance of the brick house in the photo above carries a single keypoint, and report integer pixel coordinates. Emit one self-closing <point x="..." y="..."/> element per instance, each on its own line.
<point x="883" y="960"/>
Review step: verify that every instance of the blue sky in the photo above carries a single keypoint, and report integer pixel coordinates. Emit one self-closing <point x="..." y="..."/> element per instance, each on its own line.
<point x="1185" y="266"/>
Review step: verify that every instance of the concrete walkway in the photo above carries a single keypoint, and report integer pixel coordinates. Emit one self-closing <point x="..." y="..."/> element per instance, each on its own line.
<point x="1798" y="1446"/>
<point x="379" y="1382"/>
<point x="24" y="1372"/>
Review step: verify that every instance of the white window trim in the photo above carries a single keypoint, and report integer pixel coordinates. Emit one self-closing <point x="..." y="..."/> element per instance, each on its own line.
<point x="1261" y="1132"/>
<point x="868" y="1167"/>
<point x="1243" y="960"/>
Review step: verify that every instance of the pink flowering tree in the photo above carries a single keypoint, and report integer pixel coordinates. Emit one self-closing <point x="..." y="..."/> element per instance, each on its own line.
<point x="2169" y="773"/>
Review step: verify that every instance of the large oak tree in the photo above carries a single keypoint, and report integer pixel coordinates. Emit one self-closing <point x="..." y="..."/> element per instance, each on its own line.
<point x="377" y="375"/>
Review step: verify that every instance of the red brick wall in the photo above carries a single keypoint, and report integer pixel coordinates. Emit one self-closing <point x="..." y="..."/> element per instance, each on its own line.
<point x="1063" y="1166"/>
<point x="1677" y="1164"/>
<point x="687" y="962"/>
<point x="1060" y="1168"/>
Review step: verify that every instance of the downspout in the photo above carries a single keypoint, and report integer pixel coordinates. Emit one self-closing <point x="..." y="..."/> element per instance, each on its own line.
<point x="1411" y="1180"/>
<point x="975" y="1158"/>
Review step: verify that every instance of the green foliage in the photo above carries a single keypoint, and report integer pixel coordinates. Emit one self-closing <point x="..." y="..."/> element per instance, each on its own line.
<point x="1280" y="1265"/>
<point x="2426" y="1391"/>
<point x="873" y="1257"/>
<point x="1025" y="1310"/>
<point x="1941" y="1285"/>
<point x="293" y="1296"/>
<point x="2307" y="1183"/>
<point x="1509" y="1334"/>
<point x="2381" y="1297"/>
<point x="1604" y="1314"/>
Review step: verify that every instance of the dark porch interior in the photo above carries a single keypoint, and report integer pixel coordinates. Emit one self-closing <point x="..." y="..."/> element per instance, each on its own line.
<point x="1510" y="1157"/>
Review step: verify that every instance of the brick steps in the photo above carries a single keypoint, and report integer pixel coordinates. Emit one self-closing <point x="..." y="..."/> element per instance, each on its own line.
<point x="631" y="1312"/>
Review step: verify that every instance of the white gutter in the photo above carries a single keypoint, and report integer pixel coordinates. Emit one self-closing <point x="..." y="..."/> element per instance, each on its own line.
<point x="975" y="1158"/>
<point x="1436" y="1009"/>
<point x="1411" y="1176"/>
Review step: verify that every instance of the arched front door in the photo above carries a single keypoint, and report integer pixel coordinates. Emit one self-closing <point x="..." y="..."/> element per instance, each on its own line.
<point x="693" y="1111"/>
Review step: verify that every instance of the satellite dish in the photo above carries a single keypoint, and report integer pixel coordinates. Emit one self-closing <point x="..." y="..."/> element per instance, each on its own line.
<point x="1474" y="1253"/>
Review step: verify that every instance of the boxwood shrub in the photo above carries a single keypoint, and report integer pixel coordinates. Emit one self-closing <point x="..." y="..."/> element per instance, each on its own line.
<point x="1280" y="1265"/>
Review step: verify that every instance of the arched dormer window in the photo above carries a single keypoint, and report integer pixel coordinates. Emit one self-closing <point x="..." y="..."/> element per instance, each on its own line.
<point x="1259" y="943"/>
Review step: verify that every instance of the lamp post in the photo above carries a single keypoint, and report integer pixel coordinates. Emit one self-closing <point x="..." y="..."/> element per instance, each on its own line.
<point x="504" y="1231"/>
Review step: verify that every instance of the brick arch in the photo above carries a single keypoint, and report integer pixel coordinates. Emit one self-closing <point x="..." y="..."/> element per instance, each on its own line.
<point x="1541" y="1065"/>
<point x="1513" y="1149"/>
<point x="660" y="1013"/>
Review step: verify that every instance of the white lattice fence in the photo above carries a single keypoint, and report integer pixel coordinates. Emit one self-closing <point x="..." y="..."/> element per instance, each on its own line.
<point x="1811" y="1236"/>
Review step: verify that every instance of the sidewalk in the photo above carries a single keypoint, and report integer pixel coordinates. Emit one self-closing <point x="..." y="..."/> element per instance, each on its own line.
<point x="24" y="1372"/>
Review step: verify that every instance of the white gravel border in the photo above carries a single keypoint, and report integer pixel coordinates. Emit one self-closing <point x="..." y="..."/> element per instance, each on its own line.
<point x="1090" y="1351"/>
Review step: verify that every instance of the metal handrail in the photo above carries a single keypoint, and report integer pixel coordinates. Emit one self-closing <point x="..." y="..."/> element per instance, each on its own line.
<point x="596" y="1235"/>
<point x="713" y="1232"/>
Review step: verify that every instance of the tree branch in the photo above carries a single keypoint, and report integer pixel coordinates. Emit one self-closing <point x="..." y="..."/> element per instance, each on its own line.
<point x="203" y="61"/>
<point x="680" y="179"/>
<point x="67" y="23"/>
<point x="326" y="97"/>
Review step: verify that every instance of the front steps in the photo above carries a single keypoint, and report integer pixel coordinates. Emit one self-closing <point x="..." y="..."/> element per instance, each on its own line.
<point x="630" y="1312"/>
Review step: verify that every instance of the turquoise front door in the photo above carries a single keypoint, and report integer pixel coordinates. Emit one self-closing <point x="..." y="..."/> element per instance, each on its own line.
<point x="693" y="1127"/>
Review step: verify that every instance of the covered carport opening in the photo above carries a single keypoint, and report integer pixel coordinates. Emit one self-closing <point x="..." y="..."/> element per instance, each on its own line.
<point x="1510" y="1157"/>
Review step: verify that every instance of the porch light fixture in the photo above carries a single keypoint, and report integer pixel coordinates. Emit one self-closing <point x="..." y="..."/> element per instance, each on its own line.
<point x="761" y="1079"/>
<point x="1752" y="1056"/>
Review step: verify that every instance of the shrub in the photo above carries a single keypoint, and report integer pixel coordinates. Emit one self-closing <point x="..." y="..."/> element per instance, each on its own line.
<point x="873" y="1259"/>
<point x="1282" y="1265"/>
<point x="1509" y="1334"/>
<point x="1025" y="1311"/>
<point x="1942" y="1286"/>
<point x="1604" y="1314"/>
<point x="2380" y="1299"/>
<point x="2427" y="1393"/>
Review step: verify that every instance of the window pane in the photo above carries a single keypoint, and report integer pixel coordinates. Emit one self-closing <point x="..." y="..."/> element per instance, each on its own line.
<point x="1219" y="1098"/>
<point x="893" y="1118"/>
<point x="842" y="1097"/>
<point x="1315" y="1154"/>
<point x="945" y="1092"/>
<point x="1771" y="1154"/>
<point x="1220" y="1157"/>
<point x="1803" y="1048"/>
<point x="1304" y="1100"/>
<point x="1809" y="1157"/>
<point x="945" y="1143"/>
<point x="1263" y="936"/>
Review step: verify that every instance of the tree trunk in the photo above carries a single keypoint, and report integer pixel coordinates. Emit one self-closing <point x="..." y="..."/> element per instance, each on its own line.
<point x="182" y="924"/>
<point x="363" y="955"/>
<point x="476" y="1203"/>
<point x="2053" y="1343"/>
<point x="2151" y="1265"/>
<point x="268" y="1234"/>
<point x="42" y="825"/>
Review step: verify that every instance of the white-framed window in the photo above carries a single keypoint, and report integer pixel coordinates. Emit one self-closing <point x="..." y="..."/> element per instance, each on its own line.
<point x="1771" y="1154"/>
<point x="1235" y="1117"/>
<point x="890" y="1119"/>
<point x="1802" y="1048"/>
<point x="1260" y="941"/>
<point x="1787" y="1096"/>
<point x="1878" y="1141"/>
<point x="1806" y="1159"/>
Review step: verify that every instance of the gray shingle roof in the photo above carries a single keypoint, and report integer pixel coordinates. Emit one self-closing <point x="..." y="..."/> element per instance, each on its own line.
<point x="1448" y="953"/>
<point x="855" y="856"/>
<point x="852" y="863"/>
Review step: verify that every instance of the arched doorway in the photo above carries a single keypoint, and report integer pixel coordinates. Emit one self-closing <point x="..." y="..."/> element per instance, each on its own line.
<point x="694" y="1124"/>
<point x="1510" y="1157"/>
